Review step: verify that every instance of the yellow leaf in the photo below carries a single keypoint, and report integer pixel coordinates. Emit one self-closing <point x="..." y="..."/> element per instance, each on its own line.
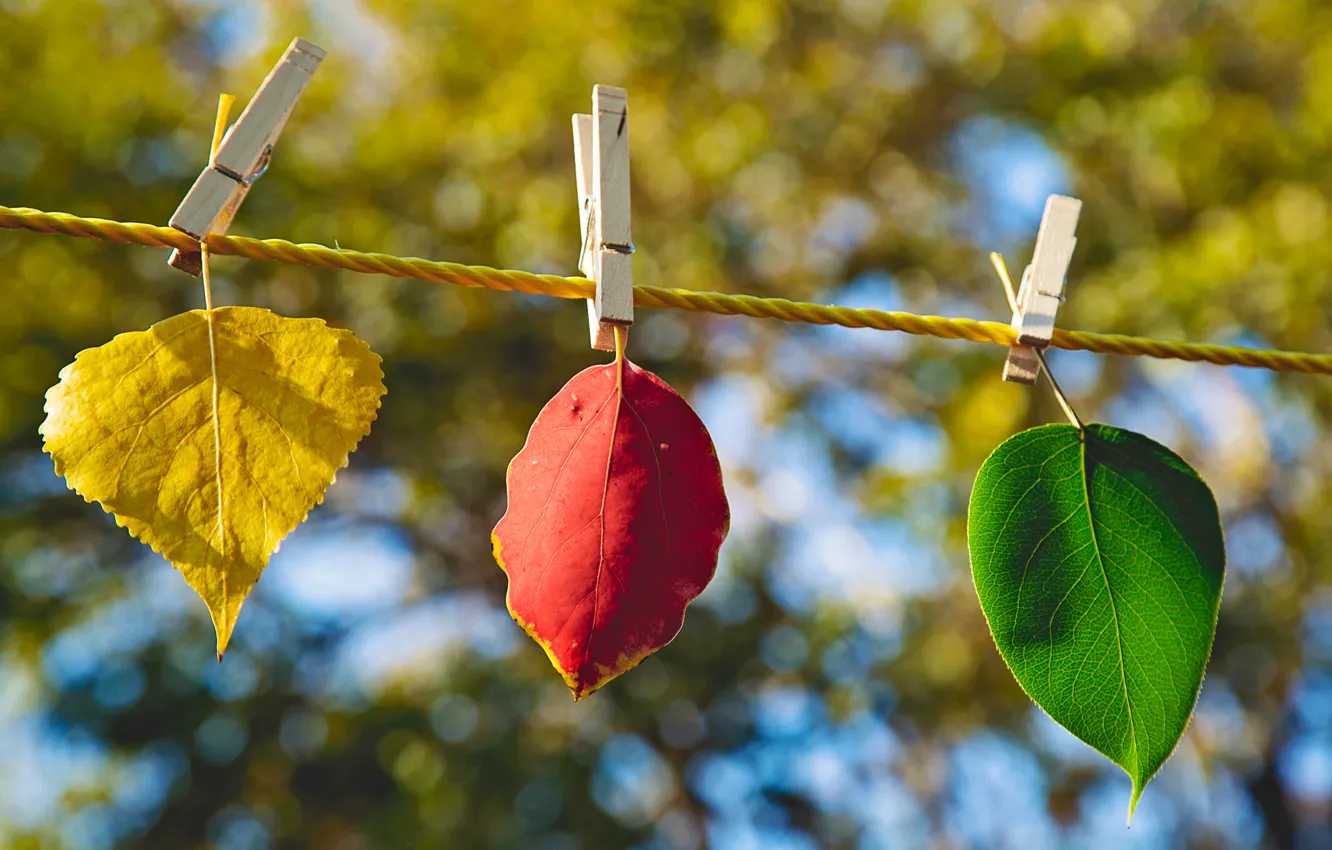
<point x="131" y="425"/>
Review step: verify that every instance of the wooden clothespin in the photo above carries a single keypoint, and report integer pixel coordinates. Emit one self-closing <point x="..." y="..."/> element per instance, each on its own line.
<point x="244" y="155"/>
<point x="601" y="160"/>
<point x="1042" y="288"/>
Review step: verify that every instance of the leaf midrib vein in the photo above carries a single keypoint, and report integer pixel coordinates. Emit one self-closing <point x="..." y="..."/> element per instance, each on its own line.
<point x="1114" y="611"/>
<point x="217" y="460"/>
<point x="605" y="492"/>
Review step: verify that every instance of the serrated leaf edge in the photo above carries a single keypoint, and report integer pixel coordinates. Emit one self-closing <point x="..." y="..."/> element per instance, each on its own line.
<point x="319" y="500"/>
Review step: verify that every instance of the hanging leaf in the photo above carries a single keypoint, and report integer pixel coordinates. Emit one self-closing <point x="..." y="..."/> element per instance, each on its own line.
<point x="213" y="480"/>
<point x="1099" y="561"/>
<point x="616" y="513"/>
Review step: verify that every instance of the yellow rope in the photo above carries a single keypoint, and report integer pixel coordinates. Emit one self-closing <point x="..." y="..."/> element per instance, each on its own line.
<point x="651" y="296"/>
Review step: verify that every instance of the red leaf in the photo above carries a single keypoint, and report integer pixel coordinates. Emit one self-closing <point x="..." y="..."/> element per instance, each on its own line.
<point x="616" y="513"/>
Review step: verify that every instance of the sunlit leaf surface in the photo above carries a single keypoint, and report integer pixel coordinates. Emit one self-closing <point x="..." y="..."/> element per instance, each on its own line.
<point x="1098" y="559"/>
<point x="132" y="426"/>
<point x="616" y="513"/>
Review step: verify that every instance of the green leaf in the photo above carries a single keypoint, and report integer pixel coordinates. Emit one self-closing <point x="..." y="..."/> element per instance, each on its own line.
<point x="1098" y="560"/>
<point x="211" y="437"/>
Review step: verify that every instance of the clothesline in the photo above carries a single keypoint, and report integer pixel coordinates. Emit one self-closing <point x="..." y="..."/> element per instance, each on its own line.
<point x="321" y="256"/>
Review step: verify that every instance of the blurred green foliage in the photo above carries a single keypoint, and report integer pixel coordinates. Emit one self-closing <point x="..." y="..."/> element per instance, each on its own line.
<point x="815" y="150"/>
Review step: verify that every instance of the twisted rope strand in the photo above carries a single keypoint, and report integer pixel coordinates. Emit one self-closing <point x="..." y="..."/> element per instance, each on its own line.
<point x="320" y="256"/>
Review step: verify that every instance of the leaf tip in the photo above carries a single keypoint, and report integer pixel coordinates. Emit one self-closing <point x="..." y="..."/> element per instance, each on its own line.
<point x="1133" y="801"/>
<point x="582" y="687"/>
<point x="224" y="621"/>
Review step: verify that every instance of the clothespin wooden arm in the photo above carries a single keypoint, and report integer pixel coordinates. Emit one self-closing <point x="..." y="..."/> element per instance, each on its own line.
<point x="582" y="131"/>
<point x="601" y="158"/>
<point x="1042" y="288"/>
<point x="243" y="156"/>
<point x="248" y="144"/>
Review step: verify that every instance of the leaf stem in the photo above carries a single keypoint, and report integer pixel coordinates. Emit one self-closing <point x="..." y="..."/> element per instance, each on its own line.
<point x="1059" y="394"/>
<point x="997" y="260"/>
<point x="224" y="103"/>
<point x="621" y="338"/>
<point x="1000" y="267"/>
